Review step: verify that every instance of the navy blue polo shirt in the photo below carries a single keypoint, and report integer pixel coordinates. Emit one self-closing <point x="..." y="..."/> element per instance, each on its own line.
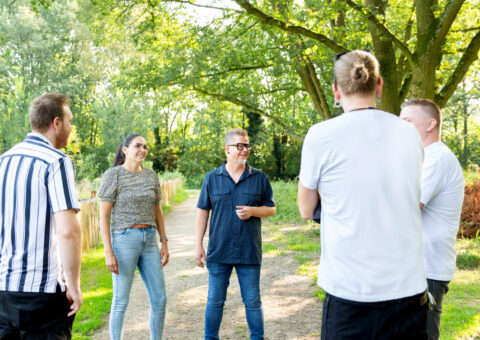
<point x="232" y="240"/>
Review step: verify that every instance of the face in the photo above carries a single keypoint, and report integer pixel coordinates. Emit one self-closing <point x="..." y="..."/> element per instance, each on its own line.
<point x="415" y="115"/>
<point x="233" y="154"/>
<point x="136" y="150"/>
<point x="64" y="127"/>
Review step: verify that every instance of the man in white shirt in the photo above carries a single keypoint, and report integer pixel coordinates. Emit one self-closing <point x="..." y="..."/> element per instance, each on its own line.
<point x="441" y="203"/>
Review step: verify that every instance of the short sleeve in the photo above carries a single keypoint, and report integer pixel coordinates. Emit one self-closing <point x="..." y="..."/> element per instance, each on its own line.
<point x="310" y="164"/>
<point x="158" y="189"/>
<point x="431" y="179"/>
<point x="61" y="186"/>
<point x="268" y="200"/>
<point x="108" y="186"/>
<point x="204" y="199"/>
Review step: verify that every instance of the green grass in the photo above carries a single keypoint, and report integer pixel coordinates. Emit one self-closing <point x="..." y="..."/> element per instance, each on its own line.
<point x="96" y="285"/>
<point x="285" y="196"/>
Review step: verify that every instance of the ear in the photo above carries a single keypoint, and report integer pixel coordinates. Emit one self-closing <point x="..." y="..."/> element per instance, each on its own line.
<point x="227" y="149"/>
<point x="336" y="92"/>
<point x="56" y="122"/>
<point x="124" y="149"/>
<point x="432" y="124"/>
<point x="379" y="89"/>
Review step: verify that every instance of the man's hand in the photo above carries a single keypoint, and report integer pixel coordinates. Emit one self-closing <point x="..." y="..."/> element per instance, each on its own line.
<point x="244" y="212"/>
<point x="200" y="257"/>
<point x="74" y="297"/>
<point x="111" y="262"/>
<point x="164" y="254"/>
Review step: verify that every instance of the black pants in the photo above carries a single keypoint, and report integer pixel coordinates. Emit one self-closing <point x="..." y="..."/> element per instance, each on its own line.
<point x="34" y="316"/>
<point x="438" y="289"/>
<point x="400" y="319"/>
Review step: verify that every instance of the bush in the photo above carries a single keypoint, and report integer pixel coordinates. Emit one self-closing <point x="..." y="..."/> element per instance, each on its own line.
<point x="470" y="220"/>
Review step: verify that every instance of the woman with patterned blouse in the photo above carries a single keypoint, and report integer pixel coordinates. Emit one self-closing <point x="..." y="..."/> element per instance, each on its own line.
<point x="130" y="217"/>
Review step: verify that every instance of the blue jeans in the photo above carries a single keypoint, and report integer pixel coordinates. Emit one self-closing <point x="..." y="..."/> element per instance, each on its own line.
<point x="137" y="248"/>
<point x="218" y="281"/>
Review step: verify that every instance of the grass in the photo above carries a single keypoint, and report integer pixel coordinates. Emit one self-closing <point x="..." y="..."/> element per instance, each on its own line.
<point x="96" y="285"/>
<point x="461" y="306"/>
<point x="285" y="196"/>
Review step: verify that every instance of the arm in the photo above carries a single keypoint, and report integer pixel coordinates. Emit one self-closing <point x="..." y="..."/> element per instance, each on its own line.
<point x="201" y="228"/>
<point x="245" y="212"/>
<point x="163" y="234"/>
<point x="70" y="249"/>
<point x="307" y="201"/>
<point x="110" y="259"/>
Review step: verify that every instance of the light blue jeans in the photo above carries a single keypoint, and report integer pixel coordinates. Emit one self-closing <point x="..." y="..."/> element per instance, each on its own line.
<point x="137" y="248"/>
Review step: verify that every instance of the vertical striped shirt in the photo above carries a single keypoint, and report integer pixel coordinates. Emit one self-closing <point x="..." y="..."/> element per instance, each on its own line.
<point x="36" y="181"/>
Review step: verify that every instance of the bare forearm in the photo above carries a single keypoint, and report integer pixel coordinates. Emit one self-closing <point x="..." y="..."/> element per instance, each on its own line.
<point x="263" y="211"/>
<point x="105" y="213"/>
<point x="307" y="201"/>
<point x="160" y="224"/>
<point x="201" y="226"/>
<point x="70" y="246"/>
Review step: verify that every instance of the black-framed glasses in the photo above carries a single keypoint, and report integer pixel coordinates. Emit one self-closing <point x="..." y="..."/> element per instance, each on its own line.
<point x="138" y="146"/>
<point x="241" y="146"/>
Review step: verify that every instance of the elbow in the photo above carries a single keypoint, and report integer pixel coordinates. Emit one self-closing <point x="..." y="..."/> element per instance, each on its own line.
<point x="273" y="211"/>
<point x="70" y="233"/>
<point x="306" y="215"/>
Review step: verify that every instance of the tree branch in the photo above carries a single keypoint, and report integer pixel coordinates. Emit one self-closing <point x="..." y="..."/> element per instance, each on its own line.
<point x="205" y="6"/>
<point x="467" y="29"/>
<point x="470" y="55"/>
<point x="268" y="20"/>
<point x="373" y="19"/>
<point x="250" y="108"/>
<point x="448" y="17"/>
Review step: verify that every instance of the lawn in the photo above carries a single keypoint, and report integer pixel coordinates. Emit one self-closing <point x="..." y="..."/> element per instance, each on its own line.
<point x="461" y="306"/>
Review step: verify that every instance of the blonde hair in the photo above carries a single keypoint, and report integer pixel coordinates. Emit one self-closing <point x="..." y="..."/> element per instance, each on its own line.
<point x="357" y="72"/>
<point x="428" y="106"/>
<point x="235" y="132"/>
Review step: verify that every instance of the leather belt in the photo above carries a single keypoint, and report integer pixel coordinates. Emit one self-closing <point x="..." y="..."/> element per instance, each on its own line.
<point x="141" y="226"/>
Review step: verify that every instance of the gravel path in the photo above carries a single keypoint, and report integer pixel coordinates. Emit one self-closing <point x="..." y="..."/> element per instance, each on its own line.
<point x="290" y="310"/>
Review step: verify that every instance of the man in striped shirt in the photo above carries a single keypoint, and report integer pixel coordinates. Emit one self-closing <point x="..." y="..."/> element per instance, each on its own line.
<point x="40" y="239"/>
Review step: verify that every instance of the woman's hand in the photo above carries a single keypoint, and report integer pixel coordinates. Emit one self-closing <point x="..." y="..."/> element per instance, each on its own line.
<point x="164" y="253"/>
<point x="111" y="262"/>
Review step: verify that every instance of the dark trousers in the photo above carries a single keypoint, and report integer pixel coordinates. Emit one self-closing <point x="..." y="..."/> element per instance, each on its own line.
<point x="400" y="319"/>
<point x="34" y="316"/>
<point x="438" y="289"/>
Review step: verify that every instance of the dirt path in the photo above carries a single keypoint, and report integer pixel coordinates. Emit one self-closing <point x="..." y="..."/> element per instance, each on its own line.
<point x="290" y="310"/>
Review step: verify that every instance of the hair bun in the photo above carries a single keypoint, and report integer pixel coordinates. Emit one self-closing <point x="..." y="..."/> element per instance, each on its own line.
<point x="360" y="73"/>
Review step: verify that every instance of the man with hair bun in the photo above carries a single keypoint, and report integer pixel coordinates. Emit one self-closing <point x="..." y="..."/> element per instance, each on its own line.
<point x="441" y="203"/>
<point x="365" y="166"/>
<point x="239" y="196"/>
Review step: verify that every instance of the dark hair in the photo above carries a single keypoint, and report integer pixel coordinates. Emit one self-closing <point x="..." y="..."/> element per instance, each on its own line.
<point x="357" y="72"/>
<point x="428" y="106"/>
<point x="235" y="132"/>
<point x="119" y="155"/>
<point x="44" y="109"/>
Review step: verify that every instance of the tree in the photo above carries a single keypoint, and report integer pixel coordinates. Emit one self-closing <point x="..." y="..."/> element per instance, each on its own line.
<point x="268" y="55"/>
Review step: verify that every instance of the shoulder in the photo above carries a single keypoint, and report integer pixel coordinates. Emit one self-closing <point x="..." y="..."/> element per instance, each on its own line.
<point x="111" y="173"/>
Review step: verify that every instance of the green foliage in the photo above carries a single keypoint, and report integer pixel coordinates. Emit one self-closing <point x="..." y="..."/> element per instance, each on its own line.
<point x="468" y="254"/>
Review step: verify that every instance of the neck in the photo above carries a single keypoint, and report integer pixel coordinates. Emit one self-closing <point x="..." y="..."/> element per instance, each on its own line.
<point x="430" y="140"/>
<point x="355" y="102"/>
<point x="132" y="166"/>
<point x="235" y="168"/>
<point x="50" y="135"/>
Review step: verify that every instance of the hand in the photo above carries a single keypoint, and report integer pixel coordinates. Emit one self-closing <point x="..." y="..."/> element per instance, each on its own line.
<point x="244" y="212"/>
<point x="111" y="262"/>
<point x="75" y="299"/>
<point x="199" y="256"/>
<point x="164" y="254"/>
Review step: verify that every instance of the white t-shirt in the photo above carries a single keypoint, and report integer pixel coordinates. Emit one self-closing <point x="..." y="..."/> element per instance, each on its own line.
<point x="442" y="195"/>
<point x="367" y="168"/>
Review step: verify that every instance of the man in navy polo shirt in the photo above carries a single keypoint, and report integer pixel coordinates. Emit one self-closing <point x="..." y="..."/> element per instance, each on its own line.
<point x="239" y="196"/>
